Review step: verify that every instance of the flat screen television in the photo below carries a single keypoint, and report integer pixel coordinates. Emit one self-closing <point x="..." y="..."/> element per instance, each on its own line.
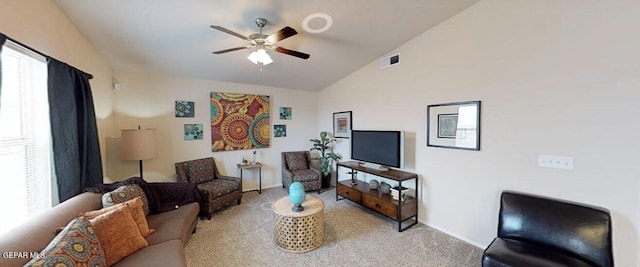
<point x="378" y="149"/>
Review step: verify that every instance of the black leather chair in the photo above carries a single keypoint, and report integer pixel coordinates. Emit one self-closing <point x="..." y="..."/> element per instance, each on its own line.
<point x="539" y="231"/>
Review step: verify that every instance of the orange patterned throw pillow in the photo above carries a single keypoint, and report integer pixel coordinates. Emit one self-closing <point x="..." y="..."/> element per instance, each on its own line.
<point x="76" y="245"/>
<point x="118" y="234"/>
<point x="135" y="207"/>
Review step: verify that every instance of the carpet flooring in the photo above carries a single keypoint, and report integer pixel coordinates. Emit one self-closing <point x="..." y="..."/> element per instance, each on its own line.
<point x="242" y="235"/>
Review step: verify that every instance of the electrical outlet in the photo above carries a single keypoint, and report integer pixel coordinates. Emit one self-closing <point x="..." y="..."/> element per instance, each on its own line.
<point x="555" y="162"/>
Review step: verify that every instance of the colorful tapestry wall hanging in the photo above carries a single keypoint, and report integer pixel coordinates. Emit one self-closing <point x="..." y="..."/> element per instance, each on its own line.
<point x="239" y="121"/>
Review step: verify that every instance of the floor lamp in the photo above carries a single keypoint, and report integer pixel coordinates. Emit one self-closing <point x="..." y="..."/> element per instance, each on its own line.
<point x="138" y="144"/>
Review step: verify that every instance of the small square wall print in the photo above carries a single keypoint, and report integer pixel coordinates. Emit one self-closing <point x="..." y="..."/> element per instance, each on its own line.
<point x="280" y="130"/>
<point x="192" y="131"/>
<point x="184" y="109"/>
<point x="285" y="113"/>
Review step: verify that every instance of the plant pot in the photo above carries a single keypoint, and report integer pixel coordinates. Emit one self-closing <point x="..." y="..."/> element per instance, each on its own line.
<point x="326" y="180"/>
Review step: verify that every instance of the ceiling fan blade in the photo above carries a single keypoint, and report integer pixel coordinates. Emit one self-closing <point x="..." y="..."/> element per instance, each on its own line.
<point x="223" y="29"/>
<point x="284" y="33"/>
<point x="292" y="53"/>
<point x="231" y="49"/>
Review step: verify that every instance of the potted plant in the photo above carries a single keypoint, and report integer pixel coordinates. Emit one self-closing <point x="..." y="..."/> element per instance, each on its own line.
<point x="326" y="155"/>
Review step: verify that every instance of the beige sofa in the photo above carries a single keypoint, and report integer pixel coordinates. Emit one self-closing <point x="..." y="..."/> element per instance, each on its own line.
<point x="166" y="244"/>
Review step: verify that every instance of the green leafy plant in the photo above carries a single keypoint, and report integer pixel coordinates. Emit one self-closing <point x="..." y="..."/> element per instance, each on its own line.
<point x="326" y="155"/>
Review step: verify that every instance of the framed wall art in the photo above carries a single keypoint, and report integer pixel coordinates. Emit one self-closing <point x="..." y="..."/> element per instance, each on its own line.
<point x="454" y="125"/>
<point x="342" y="124"/>
<point x="184" y="109"/>
<point x="193" y="131"/>
<point x="280" y="130"/>
<point x="285" y="113"/>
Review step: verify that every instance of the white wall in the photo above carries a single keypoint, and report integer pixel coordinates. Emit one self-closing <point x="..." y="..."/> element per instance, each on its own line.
<point x="149" y="101"/>
<point x="554" y="77"/>
<point x="41" y="25"/>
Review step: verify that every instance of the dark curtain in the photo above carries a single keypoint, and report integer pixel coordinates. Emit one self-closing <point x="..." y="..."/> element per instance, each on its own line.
<point x="2" y="40"/>
<point x="76" y="151"/>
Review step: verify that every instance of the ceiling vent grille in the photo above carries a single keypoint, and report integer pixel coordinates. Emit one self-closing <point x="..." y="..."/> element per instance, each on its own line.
<point x="389" y="61"/>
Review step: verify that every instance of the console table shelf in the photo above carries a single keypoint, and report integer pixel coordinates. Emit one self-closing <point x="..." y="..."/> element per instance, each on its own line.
<point x="373" y="199"/>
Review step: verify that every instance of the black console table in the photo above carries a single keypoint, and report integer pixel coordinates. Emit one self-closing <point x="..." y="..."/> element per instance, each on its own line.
<point x="361" y="193"/>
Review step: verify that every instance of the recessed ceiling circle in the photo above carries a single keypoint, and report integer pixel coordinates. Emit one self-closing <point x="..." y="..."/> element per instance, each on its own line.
<point x="328" y="22"/>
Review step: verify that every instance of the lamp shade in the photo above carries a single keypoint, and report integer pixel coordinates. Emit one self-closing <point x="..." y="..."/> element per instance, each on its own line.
<point x="138" y="144"/>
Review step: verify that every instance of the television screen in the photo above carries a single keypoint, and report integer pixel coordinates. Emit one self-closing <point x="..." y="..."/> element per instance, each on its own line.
<point x="379" y="147"/>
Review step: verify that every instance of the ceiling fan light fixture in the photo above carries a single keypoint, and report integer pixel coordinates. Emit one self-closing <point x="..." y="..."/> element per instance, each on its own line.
<point x="260" y="56"/>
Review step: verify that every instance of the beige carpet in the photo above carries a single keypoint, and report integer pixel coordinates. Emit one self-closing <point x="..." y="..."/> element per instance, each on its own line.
<point x="242" y="235"/>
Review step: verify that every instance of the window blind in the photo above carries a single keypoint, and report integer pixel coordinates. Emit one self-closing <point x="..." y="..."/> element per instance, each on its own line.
<point x="25" y="138"/>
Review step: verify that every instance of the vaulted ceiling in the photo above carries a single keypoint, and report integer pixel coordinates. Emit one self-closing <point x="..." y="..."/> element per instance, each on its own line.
<point x="175" y="38"/>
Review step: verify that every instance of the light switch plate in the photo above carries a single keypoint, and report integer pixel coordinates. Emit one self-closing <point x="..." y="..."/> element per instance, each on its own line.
<point x="555" y="162"/>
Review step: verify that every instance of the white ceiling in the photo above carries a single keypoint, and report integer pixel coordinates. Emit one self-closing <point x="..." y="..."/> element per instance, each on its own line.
<point x="173" y="36"/>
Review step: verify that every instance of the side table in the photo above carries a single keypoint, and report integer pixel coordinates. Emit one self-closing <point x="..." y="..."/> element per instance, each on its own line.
<point x="253" y="166"/>
<point x="302" y="231"/>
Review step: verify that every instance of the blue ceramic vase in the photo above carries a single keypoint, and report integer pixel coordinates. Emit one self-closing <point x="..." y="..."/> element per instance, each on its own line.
<point x="296" y="196"/>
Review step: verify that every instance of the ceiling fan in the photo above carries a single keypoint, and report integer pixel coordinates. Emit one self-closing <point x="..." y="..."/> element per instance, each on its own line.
<point x="262" y="42"/>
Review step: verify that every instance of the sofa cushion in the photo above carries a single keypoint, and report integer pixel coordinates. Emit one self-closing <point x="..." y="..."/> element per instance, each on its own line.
<point x="123" y="194"/>
<point x="169" y="253"/>
<point x="135" y="207"/>
<point x="76" y="245"/>
<point x="118" y="234"/>
<point x="509" y="251"/>
<point x="219" y="187"/>
<point x="175" y="224"/>
<point x="296" y="161"/>
<point x="305" y="175"/>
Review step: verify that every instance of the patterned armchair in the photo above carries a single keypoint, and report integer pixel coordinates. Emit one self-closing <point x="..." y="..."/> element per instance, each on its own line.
<point x="217" y="190"/>
<point x="296" y="167"/>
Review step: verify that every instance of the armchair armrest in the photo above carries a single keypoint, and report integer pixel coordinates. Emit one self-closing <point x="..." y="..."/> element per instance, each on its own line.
<point x="316" y="170"/>
<point x="229" y="178"/>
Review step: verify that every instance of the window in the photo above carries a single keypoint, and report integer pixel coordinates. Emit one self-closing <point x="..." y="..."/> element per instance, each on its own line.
<point x="25" y="136"/>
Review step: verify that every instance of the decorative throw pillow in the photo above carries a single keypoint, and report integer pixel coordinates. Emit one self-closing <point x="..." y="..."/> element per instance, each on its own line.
<point x="135" y="207"/>
<point x="118" y="234"/>
<point x="296" y="161"/>
<point x="76" y="245"/>
<point x="123" y="194"/>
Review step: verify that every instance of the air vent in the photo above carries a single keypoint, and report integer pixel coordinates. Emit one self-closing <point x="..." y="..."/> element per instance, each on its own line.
<point x="389" y="61"/>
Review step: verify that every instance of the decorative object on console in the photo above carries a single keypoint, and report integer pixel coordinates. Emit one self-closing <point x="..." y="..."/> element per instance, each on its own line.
<point x="296" y="196"/>
<point x="354" y="180"/>
<point x="185" y="109"/>
<point x="385" y="188"/>
<point x="285" y="113"/>
<point x="454" y="125"/>
<point x="138" y="144"/>
<point x="399" y="193"/>
<point x="239" y="121"/>
<point x="373" y="184"/>
<point x="342" y="124"/>
<point x="325" y="158"/>
<point x="193" y="131"/>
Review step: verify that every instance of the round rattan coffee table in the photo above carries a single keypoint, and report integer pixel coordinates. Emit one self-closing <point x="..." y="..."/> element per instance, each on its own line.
<point x="302" y="231"/>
